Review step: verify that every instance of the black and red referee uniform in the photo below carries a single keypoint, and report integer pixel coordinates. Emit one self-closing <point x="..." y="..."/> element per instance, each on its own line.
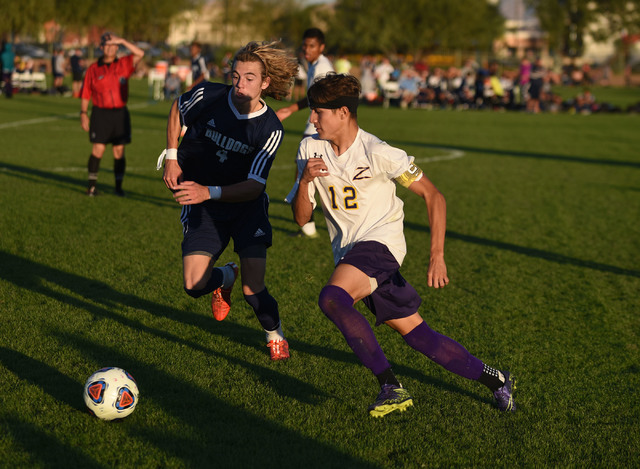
<point x="107" y="86"/>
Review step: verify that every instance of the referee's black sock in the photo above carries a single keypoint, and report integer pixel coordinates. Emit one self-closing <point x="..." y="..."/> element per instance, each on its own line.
<point x="118" y="170"/>
<point x="93" y="167"/>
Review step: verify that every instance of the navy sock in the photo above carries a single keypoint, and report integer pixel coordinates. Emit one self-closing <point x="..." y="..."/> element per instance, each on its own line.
<point x="266" y="308"/>
<point x="337" y="305"/>
<point x="215" y="281"/>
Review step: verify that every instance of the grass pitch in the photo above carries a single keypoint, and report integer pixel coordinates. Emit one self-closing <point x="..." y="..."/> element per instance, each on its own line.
<point x="543" y="251"/>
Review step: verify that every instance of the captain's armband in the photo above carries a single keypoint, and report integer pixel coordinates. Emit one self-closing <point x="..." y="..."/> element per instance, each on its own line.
<point x="409" y="176"/>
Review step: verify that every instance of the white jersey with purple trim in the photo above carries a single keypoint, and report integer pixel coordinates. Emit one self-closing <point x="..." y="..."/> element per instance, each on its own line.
<point x="358" y="196"/>
<point x="317" y="69"/>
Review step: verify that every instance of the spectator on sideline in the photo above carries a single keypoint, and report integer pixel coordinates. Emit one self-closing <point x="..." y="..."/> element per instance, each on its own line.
<point x="409" y="86"/>
<point x="535" y="88"/>
<point x="383" y="71"/>
<point x="343" y="65"/>
<point x="172" y="85"/>
<point x="58" y="68"/>
<point x="76" y="61"/>
<point x="106" y="85"/>
<point x="8" y="58"/>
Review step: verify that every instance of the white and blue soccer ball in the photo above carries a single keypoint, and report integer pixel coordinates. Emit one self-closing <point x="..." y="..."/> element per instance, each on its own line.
<point x="111" y="393"/>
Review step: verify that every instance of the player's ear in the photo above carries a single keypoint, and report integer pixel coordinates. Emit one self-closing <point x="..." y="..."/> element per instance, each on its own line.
<point x="266" y="82"/>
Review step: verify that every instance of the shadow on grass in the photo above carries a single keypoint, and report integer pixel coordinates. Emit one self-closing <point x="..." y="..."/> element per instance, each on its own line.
<point x="531" y="252"/>
<point x="226" y="434"/>
<point x="101" y="300"/>
<point x="29" y="275"/>
<point x="63" y="181"/>
<point x="519" y="154"/>
<point x="39" y="444"/>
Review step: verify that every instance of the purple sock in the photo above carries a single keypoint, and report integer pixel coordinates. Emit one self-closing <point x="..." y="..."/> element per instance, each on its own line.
<point x="337" y="305"/>
<point x="444" y="351"/>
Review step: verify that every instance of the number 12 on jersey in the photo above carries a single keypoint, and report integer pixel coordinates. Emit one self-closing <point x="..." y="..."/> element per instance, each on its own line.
<point x="349" y="199"/>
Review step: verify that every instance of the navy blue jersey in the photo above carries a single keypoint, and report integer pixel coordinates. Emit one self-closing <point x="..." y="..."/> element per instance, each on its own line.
<point x="199" y="67"/>
<point x="222" y="146"/>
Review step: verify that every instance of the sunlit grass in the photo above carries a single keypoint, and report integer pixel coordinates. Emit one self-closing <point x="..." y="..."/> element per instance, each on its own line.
<point x="543" y="252"/>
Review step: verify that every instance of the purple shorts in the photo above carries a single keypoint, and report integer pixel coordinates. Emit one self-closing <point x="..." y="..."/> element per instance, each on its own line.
<point x="394" y="298"/>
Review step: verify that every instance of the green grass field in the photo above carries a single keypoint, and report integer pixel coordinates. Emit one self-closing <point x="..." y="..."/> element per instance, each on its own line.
<point x="543" y="252"/>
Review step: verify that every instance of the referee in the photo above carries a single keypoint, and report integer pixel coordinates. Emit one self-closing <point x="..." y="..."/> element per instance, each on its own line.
<point x="106" y="85"/>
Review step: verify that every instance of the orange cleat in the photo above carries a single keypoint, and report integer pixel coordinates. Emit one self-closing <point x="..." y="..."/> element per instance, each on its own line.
<point x="221" y="298"/>
<point x="279" y="349"/>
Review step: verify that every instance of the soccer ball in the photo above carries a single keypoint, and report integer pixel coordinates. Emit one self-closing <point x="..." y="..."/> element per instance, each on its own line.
<point x="111" y="393"/>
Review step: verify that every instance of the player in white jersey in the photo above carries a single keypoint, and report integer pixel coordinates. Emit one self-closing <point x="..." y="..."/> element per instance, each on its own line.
<point x="363" y="205"/>
<point x="355" y="175"/>
<point x="318" y="66"/>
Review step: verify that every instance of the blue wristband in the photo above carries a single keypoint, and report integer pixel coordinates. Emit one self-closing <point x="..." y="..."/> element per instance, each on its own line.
<point x="215" y="192"/>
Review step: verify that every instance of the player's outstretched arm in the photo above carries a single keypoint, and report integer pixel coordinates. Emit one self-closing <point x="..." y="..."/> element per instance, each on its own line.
<point x="285" y="112"/>
<point x="437" y="208"/>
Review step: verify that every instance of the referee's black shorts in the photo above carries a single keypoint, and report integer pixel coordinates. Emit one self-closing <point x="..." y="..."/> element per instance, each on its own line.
<point x="110" y="126"/>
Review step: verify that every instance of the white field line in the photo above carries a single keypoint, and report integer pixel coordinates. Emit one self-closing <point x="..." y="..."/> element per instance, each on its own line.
<point x="451" y="154"/>
<point x="40" y="120"/>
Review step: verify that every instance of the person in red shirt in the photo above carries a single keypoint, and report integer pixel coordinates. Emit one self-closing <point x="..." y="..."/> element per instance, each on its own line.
<point x="106" y="85"/>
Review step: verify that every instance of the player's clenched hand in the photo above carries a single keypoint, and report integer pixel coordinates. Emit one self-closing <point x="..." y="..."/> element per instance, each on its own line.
<point x="172" y="174"/>
<point x="315" y="167"/>
<point x="189" y="193"/>
<point x="437" y="273"/>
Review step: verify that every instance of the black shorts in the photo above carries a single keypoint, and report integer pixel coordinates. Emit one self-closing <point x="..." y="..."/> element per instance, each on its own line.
<point x="110" y="126"/>
<point x="395" y="298"/>
<point x="206" y="235"/>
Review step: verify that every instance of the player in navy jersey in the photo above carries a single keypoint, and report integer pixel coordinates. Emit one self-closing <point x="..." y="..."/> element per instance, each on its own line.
<point x="218" y="174"/>
<point x="199" y="71"/>
<point x="355" y="175"/>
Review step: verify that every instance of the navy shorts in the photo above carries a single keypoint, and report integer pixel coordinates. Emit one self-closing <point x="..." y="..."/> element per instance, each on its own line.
<point x="207" y="235"/>
<point x="394" y="298"/>
<point x="110" y="126"/>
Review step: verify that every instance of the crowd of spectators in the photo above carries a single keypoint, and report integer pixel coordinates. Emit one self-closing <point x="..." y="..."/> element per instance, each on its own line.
<point x="527" y="87"/>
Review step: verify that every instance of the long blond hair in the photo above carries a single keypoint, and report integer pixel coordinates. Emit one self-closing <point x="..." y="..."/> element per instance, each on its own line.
<point x="279" y="65"/>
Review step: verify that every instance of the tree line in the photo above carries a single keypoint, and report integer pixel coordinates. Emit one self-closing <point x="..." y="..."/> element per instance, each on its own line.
<point x="352" y="26"/>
